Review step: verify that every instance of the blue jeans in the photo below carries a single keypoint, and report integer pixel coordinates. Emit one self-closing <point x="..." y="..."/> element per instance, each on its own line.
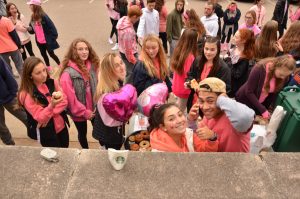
<point x="17" y="59"/>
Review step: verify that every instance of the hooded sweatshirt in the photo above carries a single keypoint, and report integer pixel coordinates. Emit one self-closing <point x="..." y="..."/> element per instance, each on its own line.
<point x="174" y="24"/>
<point x="127" y="39"/>
<point x="211" y="24"/>
<point x="149" y="23"/>
<point x="161" y="141"/>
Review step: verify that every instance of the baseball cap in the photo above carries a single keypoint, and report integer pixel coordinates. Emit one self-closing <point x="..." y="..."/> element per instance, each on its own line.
<point x="34" y="2"/>
<point x="212" y="84"/>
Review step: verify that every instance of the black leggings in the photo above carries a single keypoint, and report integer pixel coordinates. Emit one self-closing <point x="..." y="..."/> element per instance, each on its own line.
<point x="82" y="132"/>
<point x="114" y="29"/>
<point x="163" y="37"/>
<point x="62" y="140"/>
<point x="228" y="36"/>
<point x="28" y="47"/>
<point x="43" y="49"/>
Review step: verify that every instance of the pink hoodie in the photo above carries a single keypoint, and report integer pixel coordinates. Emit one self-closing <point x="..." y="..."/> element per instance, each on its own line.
<point x="79" y="111"/>
<point x="127" y="39"/>
<point x="161" y="141"/>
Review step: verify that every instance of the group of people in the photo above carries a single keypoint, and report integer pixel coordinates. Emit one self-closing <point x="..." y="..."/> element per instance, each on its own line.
<point x="218" y="87"/>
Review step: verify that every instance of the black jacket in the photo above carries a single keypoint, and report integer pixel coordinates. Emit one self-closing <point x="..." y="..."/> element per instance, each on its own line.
<point x="142" y="80"/>
<point x="279" y="15"/>
<point x="195" y="73"/>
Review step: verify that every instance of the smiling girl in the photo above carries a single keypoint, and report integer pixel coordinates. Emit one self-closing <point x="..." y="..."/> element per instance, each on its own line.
<point x="44" y="103"/>
<point x="152" y="67"/>
<point x="208" y="64"/>
<point x="78" y="79"/>
<point x="169" y="132"/>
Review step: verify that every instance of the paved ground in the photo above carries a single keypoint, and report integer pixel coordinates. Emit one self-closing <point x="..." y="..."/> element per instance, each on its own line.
<point x="89" y="19"/>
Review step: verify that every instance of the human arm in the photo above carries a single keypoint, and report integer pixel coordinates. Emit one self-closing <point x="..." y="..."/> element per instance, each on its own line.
<point x="51" y="27"/>
<point x="9" y="80"/>
<point x="141" y="28"/>
<point x="169" y="28"/>
<point x="240" y="116"/>
<point x="205" y="145"/>
<point x="63" y="104"/>
<point x="129" y="52"/>
<point x="224" y="74"/>
<point x="76" y="108"/>
<point x="240" y="68"/>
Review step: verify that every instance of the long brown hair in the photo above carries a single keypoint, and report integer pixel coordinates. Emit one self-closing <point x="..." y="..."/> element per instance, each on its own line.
<point x="194" y="21"/>
<point x="265" y="43"/>
<point x="291" y="39"/>
<point x="37" y="13"/>
<point x="186" y="45"/>
<point x="8" y="12"/>
<point x="253" y="14"/>
<point x="277" y="62"/>
<point x="149" y="64"/>
<point x="248" y="37"/>
<point x="27" y="84"/>
<point x="107" y="80"/>
<point x="73" y="56"/>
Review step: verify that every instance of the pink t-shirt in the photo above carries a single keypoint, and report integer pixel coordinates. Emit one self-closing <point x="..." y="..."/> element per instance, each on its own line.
<point x="178" y="80"/>
<point x="264" y="94"/>
<point x="229" y="139"/>
<point x="6" y="43"/>
<point x="256" y="30"/>
<point x="205" y="71"/>
<point x="39" y="32"/>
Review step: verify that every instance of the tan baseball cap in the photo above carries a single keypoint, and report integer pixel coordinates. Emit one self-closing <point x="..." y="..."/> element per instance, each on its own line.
<point x="212" y="84"/>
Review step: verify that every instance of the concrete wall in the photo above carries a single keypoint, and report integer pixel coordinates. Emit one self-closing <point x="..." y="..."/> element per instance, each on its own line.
<point x="88" y="174"/>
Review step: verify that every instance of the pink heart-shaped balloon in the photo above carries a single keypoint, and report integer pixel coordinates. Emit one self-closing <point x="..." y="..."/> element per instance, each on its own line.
<point x="121" y="104"/>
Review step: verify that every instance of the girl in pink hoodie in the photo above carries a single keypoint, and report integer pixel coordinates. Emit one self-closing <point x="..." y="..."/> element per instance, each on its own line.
<point x="78" y="80"/>
<point x="169" y="132"/>
<point x="45" y="104"/>
<point x="182" y="59"/>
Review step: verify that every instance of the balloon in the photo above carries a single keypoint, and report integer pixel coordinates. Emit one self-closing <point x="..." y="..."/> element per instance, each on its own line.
<point x="155" y="94"/>
<point x="121" y="104"/>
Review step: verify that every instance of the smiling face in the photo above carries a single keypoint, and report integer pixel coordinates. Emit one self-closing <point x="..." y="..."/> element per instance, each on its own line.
<point x="210" y="51"/>
<point x="207" y="103"/>
<point x="39" y="74"/>
<point x="119" y="68"/>
<point x="174" y="121"/>
<point x="82" y="51"/>
<point x="151" y="49"/>
<point x="13" y="10"/>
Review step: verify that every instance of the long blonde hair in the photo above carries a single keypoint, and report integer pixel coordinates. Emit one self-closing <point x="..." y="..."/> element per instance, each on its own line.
<point x="149" y="64"/>
<point x="107" y="79"/>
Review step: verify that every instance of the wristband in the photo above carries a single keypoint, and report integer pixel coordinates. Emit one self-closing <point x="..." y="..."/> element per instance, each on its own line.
<point x="214" y="138"/>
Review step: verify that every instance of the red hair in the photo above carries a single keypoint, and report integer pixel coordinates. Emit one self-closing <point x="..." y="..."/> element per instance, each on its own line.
<point x="248" y="37"/>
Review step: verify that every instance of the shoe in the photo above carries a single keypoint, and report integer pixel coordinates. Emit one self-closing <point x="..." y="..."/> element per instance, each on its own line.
<point x="116" y="47"/>
<point x="110" y="41"/>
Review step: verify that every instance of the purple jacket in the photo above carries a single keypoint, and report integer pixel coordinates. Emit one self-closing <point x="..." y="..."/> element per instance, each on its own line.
<point x="250" y="92"/>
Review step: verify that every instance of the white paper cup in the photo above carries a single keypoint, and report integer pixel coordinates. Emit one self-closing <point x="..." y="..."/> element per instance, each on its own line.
<point x="117" y="158"/>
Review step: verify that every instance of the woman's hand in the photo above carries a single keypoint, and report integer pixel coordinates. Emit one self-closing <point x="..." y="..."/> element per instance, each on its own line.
<point x="55" y="100"/>
<point x="278" y="46"/>
<point x="194" y="112"/>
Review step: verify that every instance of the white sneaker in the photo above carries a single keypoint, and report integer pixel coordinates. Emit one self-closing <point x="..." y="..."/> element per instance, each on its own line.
<point x="116" y="47"/>
<point x="110" y="41"/>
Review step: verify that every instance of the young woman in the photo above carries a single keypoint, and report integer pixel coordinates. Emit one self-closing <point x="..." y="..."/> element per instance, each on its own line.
<point x="250" y="19"/>
<point x="192" y="20"/>
<point x="45" y="104"/>
<point x="266" y="42"/>
<point x="152" y="67"/>
<point x="107" y="130"/>
<point x="266" y="79"/>
<point x="21" y="26"/>
<point x="163" y="13"/>
<point x="291" y="39"/>
<point x="260" y="11"/>
<point x="114" y="16"/>
<point x="240" y="55"/>
<point x="231" y="19"/>
<point x="45" y="32"/>
<point x="182" y="59"/>
<point x="208" y="64"/>
<point x="78" y="80"/>
<point x="169" y="132"/>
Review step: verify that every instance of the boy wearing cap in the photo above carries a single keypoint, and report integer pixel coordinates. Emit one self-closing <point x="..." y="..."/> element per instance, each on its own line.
<point x="229" y="119"/>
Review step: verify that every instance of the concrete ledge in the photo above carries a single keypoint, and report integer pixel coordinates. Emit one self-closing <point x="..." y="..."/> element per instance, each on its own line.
<point x="88" y="174"/>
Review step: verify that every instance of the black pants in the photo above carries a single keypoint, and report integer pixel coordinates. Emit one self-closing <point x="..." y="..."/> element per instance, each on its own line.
<point x="28" y="47"/>
<point x="43" y="49"/>
<point x="163" y="37"/>
<point x="62" y="140"/>
<point x="82" y="132"/>
<point x="114" y="29"/>
<point x="228" y="36"/>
